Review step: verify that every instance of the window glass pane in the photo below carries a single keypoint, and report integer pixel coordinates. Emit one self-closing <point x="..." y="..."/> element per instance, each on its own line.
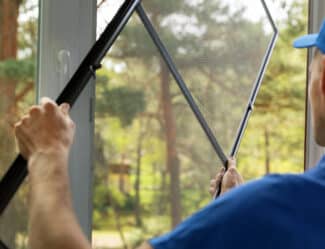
<point x="18" y="53"/>
<point x="153" y="163"/>
<point x="106" y="10"/>
<point x="219" y="47"/>
<point x="275" y="137"/>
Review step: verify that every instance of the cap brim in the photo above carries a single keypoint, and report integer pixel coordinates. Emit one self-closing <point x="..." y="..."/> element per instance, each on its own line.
<point x="306" y="41"/>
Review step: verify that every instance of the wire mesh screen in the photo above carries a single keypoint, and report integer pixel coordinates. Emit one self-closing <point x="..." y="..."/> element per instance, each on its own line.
<point x="150" y="150"/>
<point x="153" y="160"/>
<point x="139" y="110"/>
<point x="106" y="10"/>
<point x="219" y="48"/>
<point x="18" y="54"/>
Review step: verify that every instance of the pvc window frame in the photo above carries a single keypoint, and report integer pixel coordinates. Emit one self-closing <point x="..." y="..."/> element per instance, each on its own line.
<point x="67" y="30"/>
<point x="313" y="152"/>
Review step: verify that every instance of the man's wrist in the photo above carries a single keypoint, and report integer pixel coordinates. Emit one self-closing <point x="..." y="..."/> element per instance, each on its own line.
<point x="50" y="154"/>
<point x="47" y="166"/>
<point x="49" y="181"/>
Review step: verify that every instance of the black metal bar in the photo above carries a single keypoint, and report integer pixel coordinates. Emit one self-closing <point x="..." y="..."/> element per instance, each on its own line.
<point x="18" y="170"/>
<point x="256" y="88"/>
<point x="177" y="76"/>
<point x="2" y="245"/>
<point x="308" y="62"/>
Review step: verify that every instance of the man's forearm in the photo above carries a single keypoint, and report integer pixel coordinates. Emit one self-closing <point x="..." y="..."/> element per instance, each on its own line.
<point x="52" y="220"/>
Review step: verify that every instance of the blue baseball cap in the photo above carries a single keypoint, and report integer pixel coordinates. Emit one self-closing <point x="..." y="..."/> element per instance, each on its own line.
<point x="312" y="40"/>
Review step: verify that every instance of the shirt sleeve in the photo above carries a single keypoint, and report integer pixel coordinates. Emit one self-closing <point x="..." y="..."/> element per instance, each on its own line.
<point x="198" y="231"/>
<point x="228" y="222"/>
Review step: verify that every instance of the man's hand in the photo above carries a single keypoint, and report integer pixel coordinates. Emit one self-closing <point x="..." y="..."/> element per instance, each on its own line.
<point x="145" y="245"/>
<point x="228" y="179"/>
<point x="44" y="137"/>
<point x="46" y="128"/>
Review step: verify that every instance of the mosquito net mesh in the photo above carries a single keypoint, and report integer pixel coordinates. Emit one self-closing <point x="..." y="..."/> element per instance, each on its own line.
<point x="153" y="160"/>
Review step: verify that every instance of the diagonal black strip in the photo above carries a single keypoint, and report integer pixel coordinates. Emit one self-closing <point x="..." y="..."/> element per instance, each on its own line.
<point x="3" y="246"/>
<point x="17" y="172"/>
<point x="257" y="85"/>
<point x="177" y="76"/>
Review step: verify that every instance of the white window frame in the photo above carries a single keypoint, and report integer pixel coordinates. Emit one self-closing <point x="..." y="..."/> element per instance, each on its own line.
<point x="67" y="31"/>
<point x="313" y="151"/>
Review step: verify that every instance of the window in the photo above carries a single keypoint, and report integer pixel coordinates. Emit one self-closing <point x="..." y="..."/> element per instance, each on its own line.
<point x="153" y="162"/>
<point x="18" y="55"/>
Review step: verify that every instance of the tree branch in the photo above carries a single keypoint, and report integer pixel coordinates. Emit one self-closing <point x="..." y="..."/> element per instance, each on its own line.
<point x="24" y="92"/>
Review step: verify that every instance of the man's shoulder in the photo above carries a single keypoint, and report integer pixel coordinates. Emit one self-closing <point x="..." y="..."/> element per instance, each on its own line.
<point x="269" y="183"/>
<point x="264" y="193"/>
<point x="261" y="208"/>
<point x="273" y="194"/>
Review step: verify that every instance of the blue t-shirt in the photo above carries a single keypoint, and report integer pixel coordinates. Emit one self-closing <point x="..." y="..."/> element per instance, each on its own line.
<point x="275" y="212"/>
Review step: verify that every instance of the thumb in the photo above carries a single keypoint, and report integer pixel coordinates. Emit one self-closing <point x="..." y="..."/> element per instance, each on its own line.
<point x="232" y="162"/>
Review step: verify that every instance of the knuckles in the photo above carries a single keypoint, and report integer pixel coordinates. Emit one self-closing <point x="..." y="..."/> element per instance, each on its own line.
<point x="49" y="106"/>
<point x="35" y="111"/>
<point x="232" y="171"/>
<point x="25" y="120"/>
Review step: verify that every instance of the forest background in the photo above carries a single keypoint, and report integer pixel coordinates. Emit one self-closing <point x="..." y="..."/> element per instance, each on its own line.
<point x="152" y="161"/>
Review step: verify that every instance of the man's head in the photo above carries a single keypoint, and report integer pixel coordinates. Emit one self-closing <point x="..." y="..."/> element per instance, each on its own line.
<point x="317" y="80"/>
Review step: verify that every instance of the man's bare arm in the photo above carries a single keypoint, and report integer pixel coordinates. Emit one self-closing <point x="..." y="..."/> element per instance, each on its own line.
<point x="52" y="221"/>
<point x="44" y="137"/>
<point x="145" y="245"/>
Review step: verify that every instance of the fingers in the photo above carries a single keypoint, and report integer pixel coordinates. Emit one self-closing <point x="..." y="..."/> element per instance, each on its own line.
<point x="215" y="183"/>
<point x="35" y="111"/>
<point x="45" y="100"/>
<point x="213" y="186"/>
<point x="65" y="108"/>
<point x="22" y="139"/>
<point x="232" y="163"/>
<point x="231" y="178"/>
<point x="226" y="179"/>
<point x="25" y="120"/>
<point x="49" y="105"/>
<point x="44" y="125"/>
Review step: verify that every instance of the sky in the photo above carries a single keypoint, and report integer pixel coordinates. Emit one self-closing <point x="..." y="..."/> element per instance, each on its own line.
<point x="109" y="8"/>
<point x="254" y="10"/>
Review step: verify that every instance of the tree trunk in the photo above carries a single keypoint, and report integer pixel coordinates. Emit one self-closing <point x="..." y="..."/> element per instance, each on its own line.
<point x="171" y="152"/>
<point x="137" y="211"/>
<point x="9" y="10"/>
<point x="119" y="227"/>
<point x="162" y="198"/>
<point x="8" y="50"/>
<point x="11" y="222"/>
<point x="267" y="151"/>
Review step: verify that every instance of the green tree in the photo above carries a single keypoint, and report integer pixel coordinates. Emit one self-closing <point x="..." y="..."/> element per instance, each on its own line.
<point x="193" y="32"/>
<point x="16" y="84"/>
<point x="277" y="124"/>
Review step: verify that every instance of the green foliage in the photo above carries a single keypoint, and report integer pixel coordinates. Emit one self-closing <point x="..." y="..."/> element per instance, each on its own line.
<point x="122" y="102"/>
<point x="18" y="69"/>
<point x="107" y="198"/>
<point x="279" y="108"/>
<point x="16" y="84"/>
<point x="280" y="105"/>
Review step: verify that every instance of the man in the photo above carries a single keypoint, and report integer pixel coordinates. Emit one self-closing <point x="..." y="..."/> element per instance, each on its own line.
<point x="278" y="211"/>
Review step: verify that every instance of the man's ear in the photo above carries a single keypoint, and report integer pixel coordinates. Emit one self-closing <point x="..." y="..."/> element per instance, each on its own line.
<point x="323" y="75"/>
